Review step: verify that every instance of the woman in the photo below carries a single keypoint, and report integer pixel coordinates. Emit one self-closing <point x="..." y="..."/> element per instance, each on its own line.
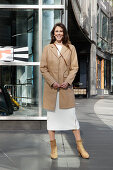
<point x="59" y="66"/>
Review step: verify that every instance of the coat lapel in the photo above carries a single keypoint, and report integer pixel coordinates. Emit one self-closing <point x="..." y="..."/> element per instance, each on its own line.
<point x="63" y="50"/>
<point x="54" y="50"/>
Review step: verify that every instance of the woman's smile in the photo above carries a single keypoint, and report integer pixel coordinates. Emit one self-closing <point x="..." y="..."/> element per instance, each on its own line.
<point x="58" y="33"/>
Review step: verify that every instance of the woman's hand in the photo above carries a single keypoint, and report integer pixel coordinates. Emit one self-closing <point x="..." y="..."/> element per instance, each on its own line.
<point x="56" y="85"/>
<point x="64" y="85"/>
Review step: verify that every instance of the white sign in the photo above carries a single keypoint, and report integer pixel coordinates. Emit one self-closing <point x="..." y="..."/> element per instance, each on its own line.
<point x="6" y="54"/>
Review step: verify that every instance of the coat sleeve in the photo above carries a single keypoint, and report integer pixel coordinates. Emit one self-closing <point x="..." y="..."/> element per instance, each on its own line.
<point x="44" y="68"/>
<point x="73" y="67"/>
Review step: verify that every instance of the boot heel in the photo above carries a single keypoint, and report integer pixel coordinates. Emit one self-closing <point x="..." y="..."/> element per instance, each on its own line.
<point x="79" y="154"/>
<point x="81" y="150"/>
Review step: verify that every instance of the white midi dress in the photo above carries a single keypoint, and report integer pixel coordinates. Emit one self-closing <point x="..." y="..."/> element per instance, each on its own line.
<point x="62" y="119"/>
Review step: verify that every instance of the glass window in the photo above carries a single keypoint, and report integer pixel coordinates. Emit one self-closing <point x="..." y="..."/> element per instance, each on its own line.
<point x="104" y="26"/>
<point x="21" y="83"/>
<point x="22" y="2"/>
<point x="99" y="41"/>
<point x="52" y="2"/>
<point x="104" y="45"/>
<point x="49" y="18"/>
<point x="19" y="32"/>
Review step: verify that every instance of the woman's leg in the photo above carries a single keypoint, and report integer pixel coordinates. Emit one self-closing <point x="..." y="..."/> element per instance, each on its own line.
<point x="51" y="135"/>
<point x="77" y="134"/>
<point x="80" y="146"/>
<point x="54" y="154"/>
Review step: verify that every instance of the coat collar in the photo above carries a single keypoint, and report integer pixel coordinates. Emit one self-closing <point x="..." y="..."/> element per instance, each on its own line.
<point x="54" y="49"/>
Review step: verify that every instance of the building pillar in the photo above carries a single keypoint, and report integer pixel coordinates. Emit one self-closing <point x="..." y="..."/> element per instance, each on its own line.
<point x="92" y="70"/>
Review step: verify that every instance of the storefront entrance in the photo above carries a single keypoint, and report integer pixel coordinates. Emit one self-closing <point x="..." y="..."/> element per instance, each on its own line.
<point x="103" y="76"/>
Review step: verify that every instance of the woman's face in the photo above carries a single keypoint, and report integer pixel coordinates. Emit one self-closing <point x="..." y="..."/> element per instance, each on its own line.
<point x="58" y="33"/>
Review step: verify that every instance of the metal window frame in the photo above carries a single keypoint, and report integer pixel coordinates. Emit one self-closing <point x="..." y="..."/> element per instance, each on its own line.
<point x="39" y="7"/>
<point x="31" y="6"/>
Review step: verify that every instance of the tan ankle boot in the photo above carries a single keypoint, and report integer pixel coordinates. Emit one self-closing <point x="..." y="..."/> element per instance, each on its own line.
<point x="81" y="150"/>
<point x="53" y="150"/>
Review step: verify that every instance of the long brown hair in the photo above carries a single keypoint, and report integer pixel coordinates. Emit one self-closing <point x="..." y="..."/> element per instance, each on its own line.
<point x="65" y="39"/>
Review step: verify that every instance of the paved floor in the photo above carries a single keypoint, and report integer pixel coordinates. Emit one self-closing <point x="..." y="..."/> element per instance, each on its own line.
<point x="30" y="150"/>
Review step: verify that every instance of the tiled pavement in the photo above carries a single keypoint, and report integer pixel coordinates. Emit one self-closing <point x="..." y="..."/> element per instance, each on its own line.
<point x="30" y="150"/>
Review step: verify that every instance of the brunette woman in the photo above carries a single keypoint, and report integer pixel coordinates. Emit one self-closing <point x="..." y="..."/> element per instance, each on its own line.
<point x="59" y="66"/>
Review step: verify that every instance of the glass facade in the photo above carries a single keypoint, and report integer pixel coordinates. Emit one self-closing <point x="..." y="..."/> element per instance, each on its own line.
<point x="21" y="2"/>
<point x="104" y="26"/>
<point x="103" y="42"/>
<point x="24" y="32"/>
<point x="21" y="82"/>
<point x="19" y="30"/>
<point x="49" y="18"/>
<point x="102" y="30"/>
<point x="52" y="2"/>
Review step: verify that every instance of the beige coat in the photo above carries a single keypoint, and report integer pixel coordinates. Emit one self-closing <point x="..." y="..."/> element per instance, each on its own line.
<point x="58" y="69"/>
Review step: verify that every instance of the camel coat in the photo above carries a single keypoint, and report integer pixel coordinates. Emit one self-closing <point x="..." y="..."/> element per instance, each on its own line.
<point x="58" y="69"/>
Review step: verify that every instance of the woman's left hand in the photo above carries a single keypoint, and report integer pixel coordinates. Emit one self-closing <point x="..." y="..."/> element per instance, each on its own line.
<point x="64" y="85"/>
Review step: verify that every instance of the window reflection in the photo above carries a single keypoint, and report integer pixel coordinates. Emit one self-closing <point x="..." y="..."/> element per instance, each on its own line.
<point x="52" y="2"/>
<point x="49" y="18"/>
<point x="104" y="26"/>
<point x="102" y="30"/>
<point x="29" y="2"/>
<point x="21" y="83"/>
<point x="19" y="30"/>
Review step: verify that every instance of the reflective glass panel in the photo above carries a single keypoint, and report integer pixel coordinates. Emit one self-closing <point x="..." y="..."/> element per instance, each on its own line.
<point x="19" y="35"/>
<point x="21" y="2"/>
<point x="99" y="42"/>
<point x="49" y="18"/>
<point x="105" y="27"/>
<point x="104" y="45"/>
<point x="53" y="2"/>
<point x="21" y="83"/>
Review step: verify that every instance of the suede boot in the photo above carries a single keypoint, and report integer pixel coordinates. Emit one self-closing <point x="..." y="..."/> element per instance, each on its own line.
<point x="82" y="152"/>
<point x="53" y="149"/>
